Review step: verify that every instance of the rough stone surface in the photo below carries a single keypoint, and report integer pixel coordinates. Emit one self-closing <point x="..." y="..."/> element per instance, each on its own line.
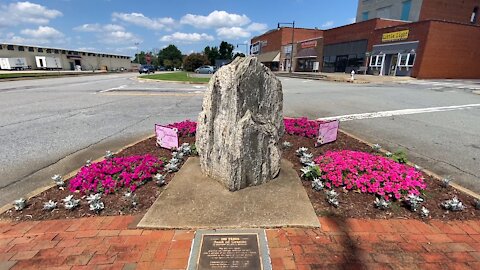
<point x="241" y="124"/>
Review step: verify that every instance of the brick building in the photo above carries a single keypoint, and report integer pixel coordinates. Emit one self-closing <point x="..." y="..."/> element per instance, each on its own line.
<point x="274" y="47"/>
<point x="440" y="39"/>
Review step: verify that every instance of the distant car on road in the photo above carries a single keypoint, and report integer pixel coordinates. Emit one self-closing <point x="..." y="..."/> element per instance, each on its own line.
<point x="146" y="69"/>
<point x="160" y="68"/>
<point x="205" y="70"/>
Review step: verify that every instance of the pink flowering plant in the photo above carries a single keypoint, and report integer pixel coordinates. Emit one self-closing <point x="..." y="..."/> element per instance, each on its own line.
<point x="301" y="127"/>
<point x="185" y="128"/>
<point x="293" y="126"/>
<point x="109" y="175"/>
<point x="369" y="173"/>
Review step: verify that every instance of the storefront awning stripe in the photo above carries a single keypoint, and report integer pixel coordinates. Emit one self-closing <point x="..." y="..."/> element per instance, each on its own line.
<point x="269" y="57"/>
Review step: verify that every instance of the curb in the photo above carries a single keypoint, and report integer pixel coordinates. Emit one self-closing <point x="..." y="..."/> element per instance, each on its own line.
<point x="39" y="190"/>
<point x="180" y="82"/>
<point x="427" y="172"/>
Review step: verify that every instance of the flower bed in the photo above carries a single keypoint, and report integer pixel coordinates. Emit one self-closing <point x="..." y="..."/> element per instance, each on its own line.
<point x="369" y="173"/>
<point x="109" y="175"/>
<point x="350" y="172"/>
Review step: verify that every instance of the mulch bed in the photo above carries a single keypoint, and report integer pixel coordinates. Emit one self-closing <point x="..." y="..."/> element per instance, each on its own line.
<point x="352" y="204"/>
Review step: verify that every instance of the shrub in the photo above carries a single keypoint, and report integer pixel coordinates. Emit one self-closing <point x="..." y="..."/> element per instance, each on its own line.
<point x="111" y="174"/>
<point x="369" y="174"/>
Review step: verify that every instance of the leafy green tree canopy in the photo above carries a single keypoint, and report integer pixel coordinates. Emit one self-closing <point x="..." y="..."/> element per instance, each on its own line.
<point x="194" y="60"/>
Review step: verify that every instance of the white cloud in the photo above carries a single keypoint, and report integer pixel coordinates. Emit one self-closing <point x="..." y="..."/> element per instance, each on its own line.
<point x="43" y="32"/>
<point x="215" y="19"/>
<point x="118" y="37"/>
<point x="26" y="13"/>
<point x="96" y="27"/>
<point x="44" y="35"/>
<point x="232" y="32"/>
<point x="257" y="27"/>
<point x="186" y="37"/>
<point x="351" y="20"/>
<point x="141" y="20"/>
<point x="327" y="24"/>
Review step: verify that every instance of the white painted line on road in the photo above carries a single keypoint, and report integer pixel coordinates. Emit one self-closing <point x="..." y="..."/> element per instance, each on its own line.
<point x="359" y="116"/>
<point x="111" y="89"/>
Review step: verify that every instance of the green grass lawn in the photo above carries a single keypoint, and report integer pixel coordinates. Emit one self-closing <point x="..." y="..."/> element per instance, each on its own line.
<point x="26" y="75"/>
<point x="176" y="76"/>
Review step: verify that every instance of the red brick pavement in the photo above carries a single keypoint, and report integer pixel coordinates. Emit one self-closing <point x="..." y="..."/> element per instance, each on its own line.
<point x="109" y="243"/>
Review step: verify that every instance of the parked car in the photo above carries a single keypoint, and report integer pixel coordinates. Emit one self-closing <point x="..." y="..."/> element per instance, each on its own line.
<point x="146" y="69"/>
<point x="205" y="70"/>
<point x="160" y="68"/>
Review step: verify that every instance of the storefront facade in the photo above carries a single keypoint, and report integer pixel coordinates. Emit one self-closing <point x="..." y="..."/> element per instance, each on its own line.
<point x="308" y="55"/>
<point x="273" y="48"/>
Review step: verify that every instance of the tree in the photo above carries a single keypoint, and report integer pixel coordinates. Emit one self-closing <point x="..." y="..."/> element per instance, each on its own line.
<point x="226" y="50"/>
<point x="212" y="54"/>
<point x="170" y="53"/>
<point x="238" y="54"/>
<point x="140" y="58"/>
<point x="194" y="60"/>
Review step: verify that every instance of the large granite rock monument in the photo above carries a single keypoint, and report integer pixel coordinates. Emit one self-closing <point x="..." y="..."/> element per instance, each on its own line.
<point x="241" y="124"/>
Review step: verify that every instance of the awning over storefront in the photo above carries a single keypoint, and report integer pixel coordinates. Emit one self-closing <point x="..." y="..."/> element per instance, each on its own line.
<point x="269" y="57"/>
<point x="393" y="48"/>
<point x="307" y="53"/>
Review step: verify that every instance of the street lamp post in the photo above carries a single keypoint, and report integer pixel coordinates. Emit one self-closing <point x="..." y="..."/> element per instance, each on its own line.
<point x="246" y="47"/>
<point x="136" y="55"/>
<point x="291" y="45"/>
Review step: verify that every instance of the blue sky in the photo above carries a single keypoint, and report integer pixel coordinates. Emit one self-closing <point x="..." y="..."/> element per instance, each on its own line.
<point x="115" y="26"/>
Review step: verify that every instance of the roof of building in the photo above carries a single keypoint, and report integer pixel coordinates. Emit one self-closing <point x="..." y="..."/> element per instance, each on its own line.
<point x="63" y="49"/>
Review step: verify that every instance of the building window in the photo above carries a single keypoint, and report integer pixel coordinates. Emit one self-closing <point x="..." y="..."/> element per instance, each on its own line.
<point x="49" y="50"/>
<point x="20" y="48"/>
<point x="406" y="60"/>
<point x="56" y="51"/>
<point x="30" y="49"/>
<point x="473" y="18"/>
<point x="376" y="60"/>
<point x="364" y="15"/>
<point x="10" y="47"/>
<point x="63" y="52"/>
<point x="39" y="50"/>
<point x="406" y="5"/>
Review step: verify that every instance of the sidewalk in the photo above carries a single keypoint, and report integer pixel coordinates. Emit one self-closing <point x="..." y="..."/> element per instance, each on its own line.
<point x="111" y="243"/>
<point x="343" y="77"/>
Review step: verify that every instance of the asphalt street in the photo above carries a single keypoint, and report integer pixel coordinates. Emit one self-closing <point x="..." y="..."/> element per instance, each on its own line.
<point x="51" y="126"/>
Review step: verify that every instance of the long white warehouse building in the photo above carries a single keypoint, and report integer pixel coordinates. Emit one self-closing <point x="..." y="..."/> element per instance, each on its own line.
<point x="15" y="56"/>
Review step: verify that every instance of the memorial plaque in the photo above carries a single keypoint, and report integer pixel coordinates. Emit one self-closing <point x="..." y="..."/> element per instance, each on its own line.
<point x="327" y="132"/>
<point x="229" y="250"/>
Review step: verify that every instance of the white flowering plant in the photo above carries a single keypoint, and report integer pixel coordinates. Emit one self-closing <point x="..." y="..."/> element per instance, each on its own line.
<point x="381" y="203"/>
<point x="50" y="205"/>
<point x="453" y="205"/>
<point x="332" y="198"/>
<point x="58" y="180"/>
<point x="70" y="203"/>
<point x="20" y="204"/>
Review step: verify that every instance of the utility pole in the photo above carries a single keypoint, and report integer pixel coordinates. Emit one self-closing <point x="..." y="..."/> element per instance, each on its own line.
<point x="291" y="45"/>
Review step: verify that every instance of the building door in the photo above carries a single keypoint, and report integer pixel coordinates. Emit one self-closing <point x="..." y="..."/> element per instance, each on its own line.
<point x="72" y="66"/>
<point x="40" y="61"/>
<point x="341" y="63"/>
<point x="393" y="65"/>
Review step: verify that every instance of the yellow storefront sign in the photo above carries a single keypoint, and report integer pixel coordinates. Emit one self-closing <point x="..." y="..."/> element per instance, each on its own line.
<point x="394" y="36"/>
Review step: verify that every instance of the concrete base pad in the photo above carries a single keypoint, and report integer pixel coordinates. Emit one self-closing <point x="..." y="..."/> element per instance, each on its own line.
<point x="192" y="200"/>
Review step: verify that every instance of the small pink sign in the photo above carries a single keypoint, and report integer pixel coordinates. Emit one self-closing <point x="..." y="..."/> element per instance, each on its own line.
<point x="327" y="132"/>
<point x="166" y="137"/>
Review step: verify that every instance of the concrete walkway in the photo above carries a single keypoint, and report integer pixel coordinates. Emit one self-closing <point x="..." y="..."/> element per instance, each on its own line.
<point x="344" y="77"/>
<point x="113" y="243"/>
